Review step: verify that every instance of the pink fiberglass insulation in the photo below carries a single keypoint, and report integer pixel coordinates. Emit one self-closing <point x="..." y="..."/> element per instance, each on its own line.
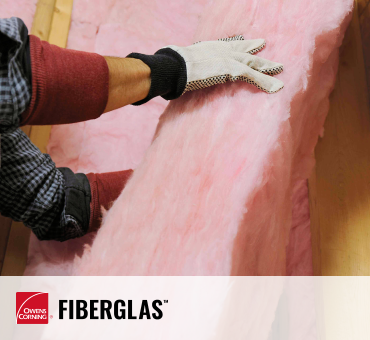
<point x="213" y="194"/>
<point x="24" y="9"/>
<point x="216" y="190"/>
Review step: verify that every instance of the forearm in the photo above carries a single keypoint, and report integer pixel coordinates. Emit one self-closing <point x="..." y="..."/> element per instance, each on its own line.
<point x="62" y="86"/>
<point x="71" y="86"/>
<point x="129" y="82"/>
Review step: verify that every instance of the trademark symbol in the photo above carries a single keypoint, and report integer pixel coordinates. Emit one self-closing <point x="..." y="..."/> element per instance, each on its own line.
<point x="51" y="317"/>
<point x="165" y="301"/>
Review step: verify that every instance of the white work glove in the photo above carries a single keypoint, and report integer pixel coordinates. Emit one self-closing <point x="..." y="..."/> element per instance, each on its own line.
<point x="215" y="62"/>
<point x="176" y="70"/>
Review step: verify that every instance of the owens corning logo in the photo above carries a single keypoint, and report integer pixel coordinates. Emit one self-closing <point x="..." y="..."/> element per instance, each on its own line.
<point x="32" y="308"/>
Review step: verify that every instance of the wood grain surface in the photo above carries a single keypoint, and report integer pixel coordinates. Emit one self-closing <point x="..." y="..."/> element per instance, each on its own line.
<point x="340" y="184"/>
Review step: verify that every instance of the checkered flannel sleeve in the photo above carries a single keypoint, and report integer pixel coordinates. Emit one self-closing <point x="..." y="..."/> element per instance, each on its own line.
<point x="32" y="189"/>
<point x="15" y="87"/>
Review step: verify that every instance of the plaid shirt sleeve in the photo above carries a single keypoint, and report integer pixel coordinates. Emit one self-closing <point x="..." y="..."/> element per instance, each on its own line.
<point x="35" y="192"/>
<point x="15" y="87"/>
<point x="32" y="189"/>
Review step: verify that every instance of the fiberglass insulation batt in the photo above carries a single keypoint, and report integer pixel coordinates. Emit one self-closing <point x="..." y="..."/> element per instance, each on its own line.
<point x="213" y="195"/>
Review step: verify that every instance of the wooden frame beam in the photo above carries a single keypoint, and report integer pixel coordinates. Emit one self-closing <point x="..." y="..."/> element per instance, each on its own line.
<point x="340" y="184"/>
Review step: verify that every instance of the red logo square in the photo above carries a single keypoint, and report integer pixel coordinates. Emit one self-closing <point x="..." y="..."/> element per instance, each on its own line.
<point x="32" y="308"/>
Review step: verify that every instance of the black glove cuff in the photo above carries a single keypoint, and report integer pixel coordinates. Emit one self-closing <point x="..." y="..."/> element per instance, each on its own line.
<point x="168" y="74"/>
<point x="77" y="197"/>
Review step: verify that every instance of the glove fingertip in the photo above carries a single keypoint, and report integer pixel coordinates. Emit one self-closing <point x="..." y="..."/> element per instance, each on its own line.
<point x="232" y="38"/>
<point x="277" y="86"/>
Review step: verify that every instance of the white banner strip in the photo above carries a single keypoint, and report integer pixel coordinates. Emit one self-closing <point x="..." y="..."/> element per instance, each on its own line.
<point x="263" y="308"/>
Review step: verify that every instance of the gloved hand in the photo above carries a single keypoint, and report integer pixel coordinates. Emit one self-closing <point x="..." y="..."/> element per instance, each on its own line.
<point x="176" y="70"/>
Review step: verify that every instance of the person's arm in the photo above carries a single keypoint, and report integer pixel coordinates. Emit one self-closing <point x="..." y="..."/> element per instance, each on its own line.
<point x="43" y="84"/>
<point x="70" y="86"/>
<point x="129" y="82"/>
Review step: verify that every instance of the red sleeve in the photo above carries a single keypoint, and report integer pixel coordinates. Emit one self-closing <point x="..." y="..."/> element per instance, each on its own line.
<point x="105" y="189"/>
<point x="67" y="86"/>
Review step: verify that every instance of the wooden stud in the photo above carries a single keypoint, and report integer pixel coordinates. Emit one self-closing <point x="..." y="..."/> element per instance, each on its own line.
<point x="340" y="185"/>
<point x="362" y="4"/>
<point x="58" y="36"/>
<point x="5" y="225"/>
<point x="61" y="23"/>
<point x="42" y="20"/>
<point x="17" y="249"/>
